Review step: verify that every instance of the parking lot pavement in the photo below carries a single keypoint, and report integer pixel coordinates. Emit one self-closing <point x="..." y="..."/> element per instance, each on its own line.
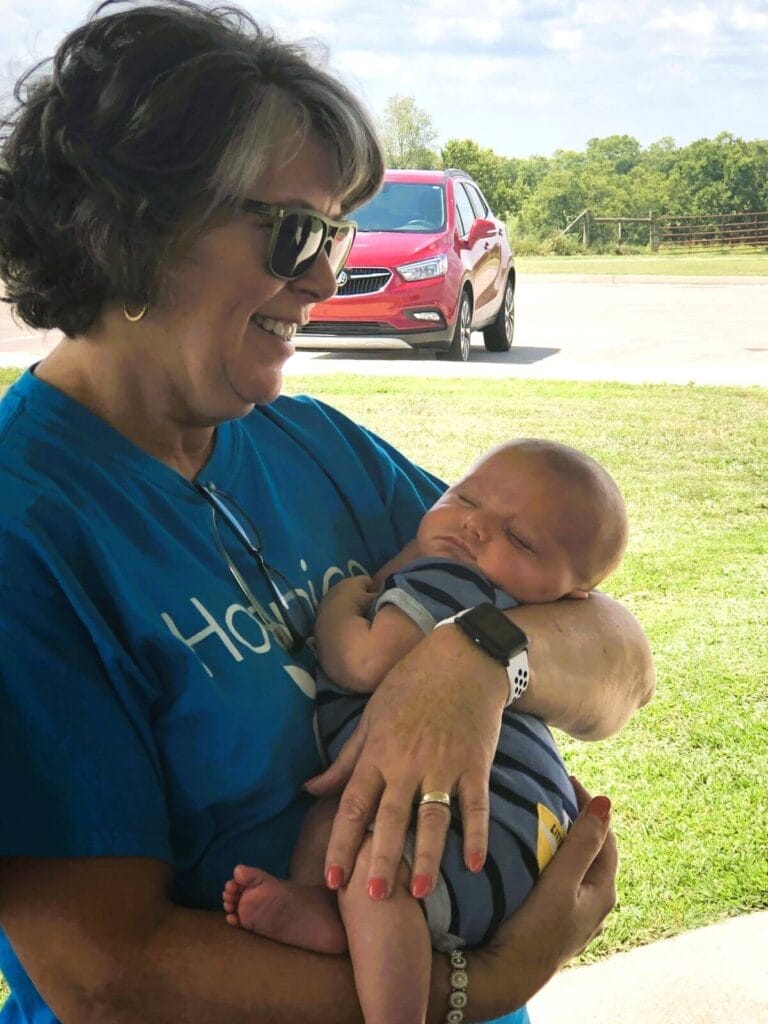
<point x="637" y="330"/>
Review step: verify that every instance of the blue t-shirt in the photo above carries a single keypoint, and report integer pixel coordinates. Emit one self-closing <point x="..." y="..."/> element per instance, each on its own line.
<point x="145" y="712"/>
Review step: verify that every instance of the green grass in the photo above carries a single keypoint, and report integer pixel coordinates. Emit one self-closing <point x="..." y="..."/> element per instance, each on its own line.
<point x="687" y="775"/>
<point x="698" y="265"/>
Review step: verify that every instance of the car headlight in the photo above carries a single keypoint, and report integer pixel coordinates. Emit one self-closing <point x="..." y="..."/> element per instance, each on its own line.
<point x="435" y="266"/>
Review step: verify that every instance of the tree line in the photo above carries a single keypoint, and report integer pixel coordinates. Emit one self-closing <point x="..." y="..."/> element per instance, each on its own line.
<point x="613" y="176"/>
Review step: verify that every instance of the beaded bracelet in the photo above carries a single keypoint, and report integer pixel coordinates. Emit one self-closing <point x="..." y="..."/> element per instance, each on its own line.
<point x="459" y="979"/>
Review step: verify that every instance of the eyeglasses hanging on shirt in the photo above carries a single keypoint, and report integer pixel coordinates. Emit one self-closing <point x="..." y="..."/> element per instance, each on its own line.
<point x="295" y="623"/>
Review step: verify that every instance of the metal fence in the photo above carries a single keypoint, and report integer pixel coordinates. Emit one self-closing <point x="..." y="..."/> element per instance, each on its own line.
<point x="721" y="231"/>
<point x="746" y="230"/>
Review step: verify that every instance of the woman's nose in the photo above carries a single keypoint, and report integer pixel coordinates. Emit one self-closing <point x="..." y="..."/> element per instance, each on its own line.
<point x="319" y="280"/>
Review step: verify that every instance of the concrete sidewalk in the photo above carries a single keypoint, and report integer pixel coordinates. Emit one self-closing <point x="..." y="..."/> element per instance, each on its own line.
<point x="713" y="975"/>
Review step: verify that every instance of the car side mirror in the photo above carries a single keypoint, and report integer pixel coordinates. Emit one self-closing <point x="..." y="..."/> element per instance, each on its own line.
<point x="481" y="229"/>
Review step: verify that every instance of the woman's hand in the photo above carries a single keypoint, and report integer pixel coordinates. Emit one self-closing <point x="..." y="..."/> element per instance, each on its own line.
<point x="563" y="913"/>
<point x="432" y="724"/>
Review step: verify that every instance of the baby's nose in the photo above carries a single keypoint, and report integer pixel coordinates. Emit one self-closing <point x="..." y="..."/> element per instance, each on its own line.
<point x="477" y="522"/>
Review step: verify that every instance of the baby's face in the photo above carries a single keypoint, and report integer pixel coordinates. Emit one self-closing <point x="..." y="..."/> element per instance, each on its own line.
<point x="513" y="519"/>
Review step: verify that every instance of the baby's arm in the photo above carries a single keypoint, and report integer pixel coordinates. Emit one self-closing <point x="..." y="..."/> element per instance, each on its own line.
<point x="354" y="652"/>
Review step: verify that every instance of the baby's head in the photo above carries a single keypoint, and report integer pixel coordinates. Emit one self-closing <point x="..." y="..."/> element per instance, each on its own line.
<point x="540" y="519"/>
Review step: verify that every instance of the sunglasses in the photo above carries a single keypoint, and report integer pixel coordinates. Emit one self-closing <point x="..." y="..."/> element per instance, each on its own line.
<point x="299" y="236"/>
<point x="295" y="624"/>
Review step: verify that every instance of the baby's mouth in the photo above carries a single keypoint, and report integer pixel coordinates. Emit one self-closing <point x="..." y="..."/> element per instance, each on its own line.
<point x="280" y="328"/>
<point x="459" y="545"/>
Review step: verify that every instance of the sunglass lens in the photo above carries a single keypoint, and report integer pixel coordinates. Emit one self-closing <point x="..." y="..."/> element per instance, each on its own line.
<point x="299" y="240"/>
<point x="340" y="246"/>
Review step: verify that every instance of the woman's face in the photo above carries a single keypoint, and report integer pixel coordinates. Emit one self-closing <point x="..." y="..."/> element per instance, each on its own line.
<point x="219" y="362"/>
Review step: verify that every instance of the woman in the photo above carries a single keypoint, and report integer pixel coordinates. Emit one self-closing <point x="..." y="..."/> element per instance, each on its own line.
<point x="172" y="197"/>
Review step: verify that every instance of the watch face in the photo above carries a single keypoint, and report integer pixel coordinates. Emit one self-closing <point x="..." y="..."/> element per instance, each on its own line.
<point x="493" y="631"/>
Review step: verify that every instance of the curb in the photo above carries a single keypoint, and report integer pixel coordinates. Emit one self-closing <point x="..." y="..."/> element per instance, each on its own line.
<point x="710" y="975"/>
<point x="532" y="276"/>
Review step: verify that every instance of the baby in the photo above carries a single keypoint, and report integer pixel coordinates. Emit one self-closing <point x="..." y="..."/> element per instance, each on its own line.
<point x="532" y="521"/>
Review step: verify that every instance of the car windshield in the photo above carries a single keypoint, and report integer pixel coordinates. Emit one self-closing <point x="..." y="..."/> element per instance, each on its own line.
<point x="404" y="206"/>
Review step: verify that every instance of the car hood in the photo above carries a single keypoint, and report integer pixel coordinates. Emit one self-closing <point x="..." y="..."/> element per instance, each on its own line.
<point x="392" y="248"/>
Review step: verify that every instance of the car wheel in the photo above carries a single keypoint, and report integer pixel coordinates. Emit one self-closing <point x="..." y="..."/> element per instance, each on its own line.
<point x="498" y="335"/>
<point x="459" y="350"/>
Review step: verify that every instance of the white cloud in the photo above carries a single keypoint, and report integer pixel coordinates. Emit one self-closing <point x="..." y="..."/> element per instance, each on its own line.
<point x="747" y="19"/>
<point x="520" y="77"/>
<point x="371" y="64"/>
<point x="439" y="29"/>
<point x="596" y="13"/>
<point x="567" y="39"/>
<point x="698" y="21"/>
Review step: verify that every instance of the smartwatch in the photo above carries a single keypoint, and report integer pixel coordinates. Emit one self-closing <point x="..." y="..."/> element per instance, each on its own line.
<point x="491" y="630"/>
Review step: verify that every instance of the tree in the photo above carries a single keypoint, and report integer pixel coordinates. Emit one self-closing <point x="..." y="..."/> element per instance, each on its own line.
<point x="619" y="152"/>
<point x="493" y="173"/>
<point x="407" y="135"/>
<point x="614" y="176"/>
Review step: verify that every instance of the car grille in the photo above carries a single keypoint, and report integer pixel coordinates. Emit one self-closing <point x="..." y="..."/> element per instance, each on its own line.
<point x="364" y="280"/>
<point x="341" y="327"/>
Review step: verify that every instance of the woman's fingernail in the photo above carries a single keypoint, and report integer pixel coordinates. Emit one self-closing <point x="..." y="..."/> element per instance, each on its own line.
<point x="420" y="886"/>
<point x="599" y="807"/>
<point x="377" y="888"/>
<point x="334" y="877"/>
<point x="476" y="861"/>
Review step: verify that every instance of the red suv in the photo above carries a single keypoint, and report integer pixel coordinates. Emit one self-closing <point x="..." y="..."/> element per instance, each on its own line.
<point x="429" y="265"/>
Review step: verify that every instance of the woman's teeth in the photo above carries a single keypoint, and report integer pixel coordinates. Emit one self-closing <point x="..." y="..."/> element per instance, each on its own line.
<point x="279" y="328"/>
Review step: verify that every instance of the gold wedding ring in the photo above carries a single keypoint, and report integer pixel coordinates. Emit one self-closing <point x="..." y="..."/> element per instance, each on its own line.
<point x="436" y="796"/>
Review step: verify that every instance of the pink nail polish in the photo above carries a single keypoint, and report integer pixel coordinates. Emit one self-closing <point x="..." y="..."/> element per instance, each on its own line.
<point x="420" y="886"/>
<point x="476" y="861"/>
<point x="334" y="877"/>
<point x="377" y="888"/>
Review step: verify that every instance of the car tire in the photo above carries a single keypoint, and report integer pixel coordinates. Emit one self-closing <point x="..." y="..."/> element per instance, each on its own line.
<point x="459" y="350"/>
<point x="498" y="335"/>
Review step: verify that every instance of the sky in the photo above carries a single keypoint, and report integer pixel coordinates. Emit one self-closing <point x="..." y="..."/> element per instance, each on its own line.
<point x="519" y="77"/>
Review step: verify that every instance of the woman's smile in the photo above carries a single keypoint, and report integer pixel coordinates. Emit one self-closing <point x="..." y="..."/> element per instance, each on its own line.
<point x="284" y="329"/>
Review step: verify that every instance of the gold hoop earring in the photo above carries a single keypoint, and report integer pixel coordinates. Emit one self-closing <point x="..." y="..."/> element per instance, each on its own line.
<point x="135" y="317"/>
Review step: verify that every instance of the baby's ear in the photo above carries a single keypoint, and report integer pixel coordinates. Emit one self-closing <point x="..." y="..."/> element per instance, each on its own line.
<point x="578" y="595"/>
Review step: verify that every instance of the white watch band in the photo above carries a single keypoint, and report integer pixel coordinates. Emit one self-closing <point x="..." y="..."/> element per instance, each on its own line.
<point x="517" y="667"/>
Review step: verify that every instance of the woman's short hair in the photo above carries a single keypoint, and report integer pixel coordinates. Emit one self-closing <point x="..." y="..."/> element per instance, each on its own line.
<point x="136" y="136"/>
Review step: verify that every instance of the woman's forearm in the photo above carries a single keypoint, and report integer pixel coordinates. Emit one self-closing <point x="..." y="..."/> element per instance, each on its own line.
<point x="101" y="942"/>
<point x="591" y="665"/>
<point x="197" y="969"/>
<point x="239" y="977"/>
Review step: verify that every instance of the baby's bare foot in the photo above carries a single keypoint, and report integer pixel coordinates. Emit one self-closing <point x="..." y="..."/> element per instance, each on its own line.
<point x="299" y="915"/>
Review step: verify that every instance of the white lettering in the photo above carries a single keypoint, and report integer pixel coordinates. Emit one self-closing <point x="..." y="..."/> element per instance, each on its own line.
<point x="233" y="610"/>
<point x="331" y="575"/>
<point x="302" y="595"/>
<point x="302" y="679"/>
<point x="212" y="629"/>
<point x="236" y="632"/>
